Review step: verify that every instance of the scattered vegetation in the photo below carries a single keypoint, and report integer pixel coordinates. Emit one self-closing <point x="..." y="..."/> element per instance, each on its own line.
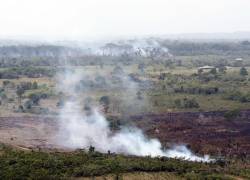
<point x="129" y="83"/>
<point x="18" y="164"/>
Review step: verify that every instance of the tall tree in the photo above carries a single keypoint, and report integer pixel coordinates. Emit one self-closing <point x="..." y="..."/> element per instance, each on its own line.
<point x="19" y="92"/>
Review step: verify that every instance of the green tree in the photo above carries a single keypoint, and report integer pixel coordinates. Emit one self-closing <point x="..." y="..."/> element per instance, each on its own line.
<point x="105" y="101"/>
<point x="28" y="104"/>
<point x="35" y="98"/>
<point x="91" y="149"/>
<point x="213" y="71"/>
<point x="222" y="69"/>
<point x="243" y="71"/>
<point x="35" y="85"/>
<point x="20" y="91"/>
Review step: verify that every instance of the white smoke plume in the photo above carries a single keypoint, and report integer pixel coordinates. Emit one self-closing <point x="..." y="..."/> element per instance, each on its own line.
<point x="79" y="129"/>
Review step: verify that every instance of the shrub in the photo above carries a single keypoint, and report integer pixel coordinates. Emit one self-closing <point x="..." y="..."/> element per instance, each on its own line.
<point x="28" y="104"/>
<point x="36" y="97"/>
<point x="17" y="164"/>
<point x="232" y="114"/>
<point x="105" y="101"/>
<point x="197" y="90"/>
<point x="34" y="85"/>
<point x="6" y="82"/>
<point x="186" y="103"/>
<point x="243" y="71"/>
<point x="238" y="96"/>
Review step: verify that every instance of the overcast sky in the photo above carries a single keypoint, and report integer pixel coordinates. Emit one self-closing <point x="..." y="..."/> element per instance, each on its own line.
<point x="86" y="19"/>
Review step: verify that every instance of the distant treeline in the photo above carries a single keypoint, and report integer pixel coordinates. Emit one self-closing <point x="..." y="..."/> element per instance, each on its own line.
<point x="37" y="51"/>
<point x="31" y="72"/>
<point x="43" y="55"/>
<point x="223" y="53"/>
<point x="186" y="48"/>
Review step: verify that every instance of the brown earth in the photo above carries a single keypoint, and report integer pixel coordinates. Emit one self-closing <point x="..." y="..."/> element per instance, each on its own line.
<point x="28" y="132"/>
<point x="203" y="132"/>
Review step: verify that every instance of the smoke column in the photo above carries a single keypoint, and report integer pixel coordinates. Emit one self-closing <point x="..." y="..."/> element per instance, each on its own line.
<point x="79" y="129"/>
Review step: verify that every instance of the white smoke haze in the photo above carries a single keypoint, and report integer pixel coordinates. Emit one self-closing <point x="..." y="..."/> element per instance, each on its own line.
<point x="81" y="129"/>
<point x="130" y="89"/>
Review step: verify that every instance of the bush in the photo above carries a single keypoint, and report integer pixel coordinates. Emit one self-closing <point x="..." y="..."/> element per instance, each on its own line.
<point x="2" y="94"/>
<point x="238" y="96"/>
<point x="232" y="114"/>
<point x="34" y="85"/>
<point x="105" y="101"/>
<point x="186" y="103"/>
<point x="32" y="72"/>
<point x="197" y="90"/>
<point x="36" y="97"/>
<point x="243" y="71"/>
<point x="28" y="104"/>
<point x="17" y="164"/>
<point x="6" y="82"/>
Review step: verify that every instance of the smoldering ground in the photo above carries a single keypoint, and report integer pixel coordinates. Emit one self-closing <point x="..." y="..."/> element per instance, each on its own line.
<point x="81" y="128"/>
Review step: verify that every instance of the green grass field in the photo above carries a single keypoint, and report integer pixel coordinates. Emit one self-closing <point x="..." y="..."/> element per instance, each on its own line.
<point x="159" y="98"/>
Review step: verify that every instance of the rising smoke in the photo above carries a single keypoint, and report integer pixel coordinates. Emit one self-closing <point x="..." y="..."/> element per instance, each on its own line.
<point x="81" y="129"/>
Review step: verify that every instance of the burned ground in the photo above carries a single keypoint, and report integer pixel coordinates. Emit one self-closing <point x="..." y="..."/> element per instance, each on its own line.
<point x="204" y="132"/>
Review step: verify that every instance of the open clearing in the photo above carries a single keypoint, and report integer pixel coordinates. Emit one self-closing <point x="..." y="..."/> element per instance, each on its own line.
<point x="204" y="132"/>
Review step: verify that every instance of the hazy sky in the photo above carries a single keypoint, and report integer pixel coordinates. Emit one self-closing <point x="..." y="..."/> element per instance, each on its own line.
<point x="79" y="19"/>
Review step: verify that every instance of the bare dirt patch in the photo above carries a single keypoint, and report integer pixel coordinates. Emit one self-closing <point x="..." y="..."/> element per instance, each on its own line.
<point x="28" y="132"/>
